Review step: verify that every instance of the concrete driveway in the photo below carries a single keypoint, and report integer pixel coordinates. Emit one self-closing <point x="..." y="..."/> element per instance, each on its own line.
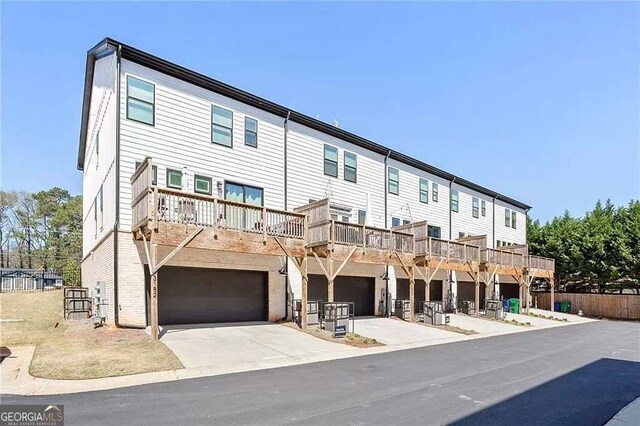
<point x="397" y="332"/>
<point x="238" y="344"/>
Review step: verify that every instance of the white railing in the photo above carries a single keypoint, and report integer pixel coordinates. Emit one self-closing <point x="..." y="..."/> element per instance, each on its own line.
<point x="370" y="237"/>
<point x="451" y="251"/>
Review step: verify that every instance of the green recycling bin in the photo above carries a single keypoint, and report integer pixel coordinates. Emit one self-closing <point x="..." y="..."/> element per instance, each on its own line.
<point x="565" y="306"/>
<point x="514" y="304"/>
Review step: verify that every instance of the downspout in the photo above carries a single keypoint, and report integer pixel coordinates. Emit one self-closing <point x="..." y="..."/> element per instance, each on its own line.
<point x="387" y="308"/>
<point x="450" y="216"/>
<point x="116" y="223"/>
<point x="493" y="236"/>
<point x="286" y="263"/>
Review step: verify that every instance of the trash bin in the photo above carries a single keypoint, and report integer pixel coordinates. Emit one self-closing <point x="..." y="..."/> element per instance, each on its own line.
<point x="505" y="305"/>
<point x="514" y="304"/>
<point x="556" y="306"/>
<point x="565" y="306"/>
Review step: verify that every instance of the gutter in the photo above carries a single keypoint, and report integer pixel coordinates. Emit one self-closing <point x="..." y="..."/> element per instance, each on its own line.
<point x="387" y="312"/>
<point x="493" y="241"/>
<point x="450" y="216"/>
<point x="116" y="223"/>
<point x="286" y="263"/>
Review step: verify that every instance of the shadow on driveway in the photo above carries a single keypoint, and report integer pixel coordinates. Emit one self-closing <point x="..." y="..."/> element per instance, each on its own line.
<point x="589" y="395"/>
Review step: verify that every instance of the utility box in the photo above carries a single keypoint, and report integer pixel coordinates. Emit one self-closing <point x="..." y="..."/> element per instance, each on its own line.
<point x="467" y="307"/>
<point x="493" y="309"/>
<point x="337" y="318"/>
<point x="313" y="316"/>
<point x="402" y="309"/>
<point x="433" y="313"/>
<point x="99" y="296"/>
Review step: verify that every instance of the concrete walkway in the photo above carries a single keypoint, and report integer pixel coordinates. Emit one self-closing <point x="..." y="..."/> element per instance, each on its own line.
<point x="208" y="345"/>
<point x="396" y="332"/>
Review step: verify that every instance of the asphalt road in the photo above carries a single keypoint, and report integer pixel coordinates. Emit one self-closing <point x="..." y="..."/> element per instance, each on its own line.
<point x="581" y="374"/>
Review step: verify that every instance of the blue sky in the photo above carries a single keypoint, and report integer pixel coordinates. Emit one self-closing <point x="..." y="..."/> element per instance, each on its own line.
<point x="538" y="101"/>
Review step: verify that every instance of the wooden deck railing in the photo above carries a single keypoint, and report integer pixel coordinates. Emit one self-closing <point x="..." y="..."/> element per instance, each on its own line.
<point x="370" y="237"/>
<point x="202" y="210"/>
<point x="539" y="262"/>
<point x="141" y="195"/>
<point x="451" y="251"/>
<point x="503" y="258"/>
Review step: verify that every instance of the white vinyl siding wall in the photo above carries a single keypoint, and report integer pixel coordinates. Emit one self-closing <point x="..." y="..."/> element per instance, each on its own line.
<point x="306" y="178"/>
<point x="510" y="235"/>
<point x="436" y="213"/>
<point x="181" y="137"/>
<point x="99" y="170"/>
<point x="463" y="220"/>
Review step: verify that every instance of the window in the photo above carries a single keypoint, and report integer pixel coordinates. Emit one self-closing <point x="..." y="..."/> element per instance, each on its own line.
<point x="174" y="179"/>
<point x="393" y="177"/>
<point x="513" y="220"/>
<point x="140" y="101"/>
<point x="424" y="191"/>
<point x="202" y="184"/>
<point x="362" y="217"/>
<point x="454" y="200"/>
<point x="406" y="222"/>
<point x="221" y="126"/>
<point x="330" y="160"/>
<point x="350" y="167"/>
<point x="334" y="216"/>
<point x="101" y="208"/>
<point x="507" y="218"/>
<point x="483" y="208"/>
<point x="242" y="218"/>
<point x="154" y="180"/>
<point x="474" y="207"/>
<point x="434" y="192"/>
<point x="345" y="218"/>
<point x="433" y="231"/>
<point x="250" y="132"/>
<point x="244" y="194"/>
<point x="498" y="243"/>
<point x="395" y="222"/>
<point x="461" y="234"/>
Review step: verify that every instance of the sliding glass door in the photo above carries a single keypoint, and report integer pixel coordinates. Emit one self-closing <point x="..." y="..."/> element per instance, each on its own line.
<point x="239" y="217"/>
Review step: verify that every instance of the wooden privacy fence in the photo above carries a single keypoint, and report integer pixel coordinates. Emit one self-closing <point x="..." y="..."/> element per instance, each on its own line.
<point x="617" y="306"/>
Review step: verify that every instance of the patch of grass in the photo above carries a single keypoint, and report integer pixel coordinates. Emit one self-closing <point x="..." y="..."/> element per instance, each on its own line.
<point x="459" y="330"/>
<point x="30" y="318"/>
<point x="74" y="349"/>
<point x="87" y="353"/>
<point x="551" y="317"/>
<point x="521" y="324"/>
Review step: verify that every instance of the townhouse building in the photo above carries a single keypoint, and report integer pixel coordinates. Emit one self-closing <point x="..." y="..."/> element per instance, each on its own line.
<point x="200" y="199"/>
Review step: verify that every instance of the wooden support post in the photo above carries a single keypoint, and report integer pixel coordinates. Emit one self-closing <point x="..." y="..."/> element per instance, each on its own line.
<point x="427" y="284"/>
<point x="412" y="289"/>
<point x="476" y="301"/>
<point x="552" y="284"/>
<point x="330" y="279"/>
<point x="520" y="294"/>
<point x="305" y="298"/>
<point x="155" y="332"/>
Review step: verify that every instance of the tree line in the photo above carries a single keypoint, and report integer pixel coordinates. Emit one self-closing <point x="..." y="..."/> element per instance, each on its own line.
<point x="41" y="230"/>
<point x="598" y="252"/>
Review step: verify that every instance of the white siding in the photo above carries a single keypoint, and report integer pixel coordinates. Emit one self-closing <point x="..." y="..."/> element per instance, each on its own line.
<point x="510" y="235"/>
<point x="99" y="169"/>
<point x="408" y="198"/>
<point x="463" y="220"/>
<point x="306" y="178"/>
<point x="181" y="137"/>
